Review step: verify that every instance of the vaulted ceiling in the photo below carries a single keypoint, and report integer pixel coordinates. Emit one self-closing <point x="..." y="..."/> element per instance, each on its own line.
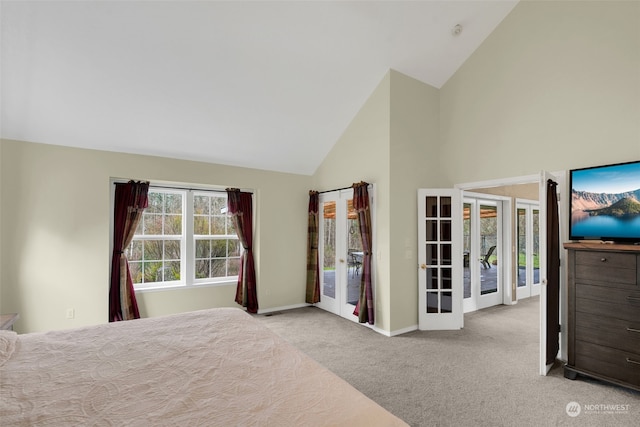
<point x="263" y="84"/>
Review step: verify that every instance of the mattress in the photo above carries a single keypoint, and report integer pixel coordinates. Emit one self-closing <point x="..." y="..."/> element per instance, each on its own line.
<point x="218" y="367"/>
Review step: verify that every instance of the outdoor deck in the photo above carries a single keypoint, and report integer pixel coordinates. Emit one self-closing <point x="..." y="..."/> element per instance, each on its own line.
<point x="489" y="282"/>
<point x="353" y="285"/>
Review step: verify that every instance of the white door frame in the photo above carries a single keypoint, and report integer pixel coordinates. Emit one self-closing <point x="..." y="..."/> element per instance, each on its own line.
<point x="470" y="304"/>
<point x="560" y="178"/>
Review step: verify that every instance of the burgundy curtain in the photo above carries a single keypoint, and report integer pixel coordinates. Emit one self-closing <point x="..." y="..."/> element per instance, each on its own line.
<point x="239" y="205"/>
<point x="364" y="307"/>
<point x="313" y="272"/>
<point x="553" y="273"/>
<point x="130" y="201"/>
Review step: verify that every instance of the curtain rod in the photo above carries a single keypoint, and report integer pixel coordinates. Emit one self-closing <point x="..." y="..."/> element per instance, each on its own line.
<point x="336" y="189"/>
<point x="171" y="187"/>
<point x="174" y="187"/>
<point x="340" y="189"/>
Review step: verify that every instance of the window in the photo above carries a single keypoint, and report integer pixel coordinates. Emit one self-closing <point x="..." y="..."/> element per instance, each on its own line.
<point x="185" y="238"/>
<point x="217" y="249"/>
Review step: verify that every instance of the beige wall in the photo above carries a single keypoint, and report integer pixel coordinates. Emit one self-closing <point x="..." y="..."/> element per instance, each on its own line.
<point x="362" y="154"/>
<point x="555" y="86"/>
<point x="414" y="164"/>
<point x="56" y="236"/>
<point x="396" y="135"/>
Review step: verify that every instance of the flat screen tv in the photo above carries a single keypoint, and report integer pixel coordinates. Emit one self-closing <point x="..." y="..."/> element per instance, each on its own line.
<point x="605" y="203"/>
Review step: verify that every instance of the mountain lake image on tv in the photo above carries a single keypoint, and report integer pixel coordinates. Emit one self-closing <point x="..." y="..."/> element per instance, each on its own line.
<point x="605" y="203"/>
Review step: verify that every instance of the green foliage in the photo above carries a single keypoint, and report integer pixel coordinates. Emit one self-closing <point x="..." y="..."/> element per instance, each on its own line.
<point x="522" y="260"/>
<point x="154" y="256"/>
<point x="623" y="207"/>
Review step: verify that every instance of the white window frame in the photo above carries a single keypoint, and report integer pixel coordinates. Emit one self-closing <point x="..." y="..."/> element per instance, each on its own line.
<point x="191" y="244"/>
<point x="187" y="242"/>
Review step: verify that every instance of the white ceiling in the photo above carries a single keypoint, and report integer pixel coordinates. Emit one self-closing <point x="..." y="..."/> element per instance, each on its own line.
<point x="266" y="84"/>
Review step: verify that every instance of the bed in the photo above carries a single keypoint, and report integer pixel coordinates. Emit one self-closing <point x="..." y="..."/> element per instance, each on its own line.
<point x="217" y="367"/>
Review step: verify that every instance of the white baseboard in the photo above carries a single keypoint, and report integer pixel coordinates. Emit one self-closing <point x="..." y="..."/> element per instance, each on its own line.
<point x="373" y="327"/>
<point x="403" y="330"/>
<point x="285" y="307"/>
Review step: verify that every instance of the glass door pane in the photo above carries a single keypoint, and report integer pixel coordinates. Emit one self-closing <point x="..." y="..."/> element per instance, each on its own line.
<point x="488" y="249"/>
<point x="528" y="250"/>
<point x="354" y="255"/>
<point x="466" y="242"/>
<point x="329" y="249"/>
<point x="522" y="247"/>
<point x="535" y="253"/>
<point x="438" y="242"/>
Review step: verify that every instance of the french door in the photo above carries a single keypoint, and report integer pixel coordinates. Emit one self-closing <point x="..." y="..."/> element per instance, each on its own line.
<point x="437" y="225"/>
<point x="483" y="264"/>
<point x="544" y="315"/>
<point x="528" y="244"/>
<point x="340" y="254"/>
<point x="439" y="255"/>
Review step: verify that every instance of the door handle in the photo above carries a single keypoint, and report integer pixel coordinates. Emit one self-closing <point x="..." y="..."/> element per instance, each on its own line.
<point x="423" y="266"/>
<point x="342" y="260"/>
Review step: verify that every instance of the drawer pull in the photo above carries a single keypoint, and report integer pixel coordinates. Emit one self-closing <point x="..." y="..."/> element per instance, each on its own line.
<point x="633" y="330"/>
<point x="603" y="259"/>
<point x="635" y="362"/>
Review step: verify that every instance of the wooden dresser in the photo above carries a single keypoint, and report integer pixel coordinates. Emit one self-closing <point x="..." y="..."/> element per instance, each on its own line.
<point x="604" y="312"/>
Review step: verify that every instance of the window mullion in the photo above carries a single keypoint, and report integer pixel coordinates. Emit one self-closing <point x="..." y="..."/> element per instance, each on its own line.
<point x="188" y="241"/>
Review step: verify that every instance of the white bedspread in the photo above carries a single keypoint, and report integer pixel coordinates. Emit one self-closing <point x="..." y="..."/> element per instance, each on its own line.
<point x="216" y="367"/>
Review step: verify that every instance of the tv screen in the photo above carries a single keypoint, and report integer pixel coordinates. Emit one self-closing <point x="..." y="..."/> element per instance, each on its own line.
<point x="605" y="203"/>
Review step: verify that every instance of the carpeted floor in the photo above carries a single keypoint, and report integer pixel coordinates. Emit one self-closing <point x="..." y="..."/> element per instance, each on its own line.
<point x="483" y="375"/>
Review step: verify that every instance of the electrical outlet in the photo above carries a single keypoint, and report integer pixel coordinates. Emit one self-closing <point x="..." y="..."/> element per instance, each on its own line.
<point x="70" y="313"/>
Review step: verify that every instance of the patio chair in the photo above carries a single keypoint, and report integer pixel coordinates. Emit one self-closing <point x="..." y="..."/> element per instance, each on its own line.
<point x="355" y="263"/>
<point x="485" y="259"/>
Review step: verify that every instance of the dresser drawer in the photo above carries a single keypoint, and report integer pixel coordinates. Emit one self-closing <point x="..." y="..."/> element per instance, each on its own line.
<point x="609" y="302"/>
<point x="607" y="267"/>
<point x="620" y="365"/>
<point x="608" y="331"/>
<point x="612" y="259"/>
